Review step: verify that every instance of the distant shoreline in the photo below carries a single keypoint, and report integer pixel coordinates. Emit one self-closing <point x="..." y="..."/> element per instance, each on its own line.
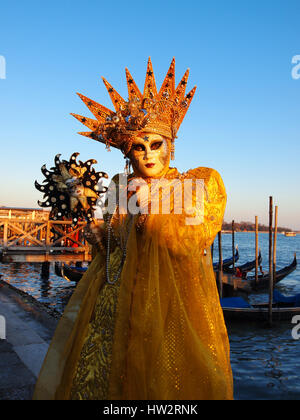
<point x="253" y="231"/>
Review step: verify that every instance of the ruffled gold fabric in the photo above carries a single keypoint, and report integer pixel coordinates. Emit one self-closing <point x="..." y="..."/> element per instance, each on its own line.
<point x="159" y="332"/>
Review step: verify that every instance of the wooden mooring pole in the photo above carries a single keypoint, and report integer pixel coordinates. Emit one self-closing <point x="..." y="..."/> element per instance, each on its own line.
<point x="233" y="247"/>
<point x="45" y="270"/>
<point x="220" y="271"/>
<point x="256" y="251"/>
<point x="274" y="247"/>
<point x="270" y="262"/>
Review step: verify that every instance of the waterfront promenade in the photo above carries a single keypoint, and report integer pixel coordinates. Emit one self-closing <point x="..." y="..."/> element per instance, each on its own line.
<point x="29" y="327"/>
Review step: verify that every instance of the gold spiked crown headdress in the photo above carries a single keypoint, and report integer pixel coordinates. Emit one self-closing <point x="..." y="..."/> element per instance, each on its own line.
<point x="157" y="112"/>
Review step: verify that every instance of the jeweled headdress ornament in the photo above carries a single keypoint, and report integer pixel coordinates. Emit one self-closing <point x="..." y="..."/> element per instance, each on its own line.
<point x="157" y="112"/>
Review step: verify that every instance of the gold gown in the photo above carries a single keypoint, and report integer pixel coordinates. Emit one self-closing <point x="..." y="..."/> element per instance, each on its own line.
<point x="159" y="332"/>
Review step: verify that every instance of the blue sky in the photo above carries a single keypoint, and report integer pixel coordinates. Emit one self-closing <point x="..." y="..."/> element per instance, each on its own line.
<point x="244" y="119"/>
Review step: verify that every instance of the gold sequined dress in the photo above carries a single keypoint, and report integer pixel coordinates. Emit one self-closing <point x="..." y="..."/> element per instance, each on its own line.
<point x="159" y="332"/>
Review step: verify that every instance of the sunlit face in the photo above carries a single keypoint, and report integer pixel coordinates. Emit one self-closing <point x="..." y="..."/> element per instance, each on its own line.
<point x="150" y="155"/>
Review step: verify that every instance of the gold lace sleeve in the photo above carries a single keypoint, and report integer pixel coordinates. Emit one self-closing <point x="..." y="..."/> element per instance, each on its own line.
<point x="214" y="201"/>
<point x="177" y="231"/>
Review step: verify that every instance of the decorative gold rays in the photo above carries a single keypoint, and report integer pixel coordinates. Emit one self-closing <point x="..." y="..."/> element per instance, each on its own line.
<point x="160" y="112"/>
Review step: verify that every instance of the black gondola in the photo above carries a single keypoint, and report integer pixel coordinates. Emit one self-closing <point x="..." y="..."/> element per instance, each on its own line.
<point x="70" y="273"/>
<point x="244" y="268"/>
<point x="264" y="279"/>
<point x="284" y="309"/>
<point x="75" y="274"/>
<point x="228" y="261"/>
<point x="233" y="285"/>
<point x="58" y="269"/>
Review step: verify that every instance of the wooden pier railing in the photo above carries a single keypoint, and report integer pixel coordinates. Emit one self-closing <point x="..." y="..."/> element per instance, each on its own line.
<point x="28" y="214"/>
<point x="40" y="241"/>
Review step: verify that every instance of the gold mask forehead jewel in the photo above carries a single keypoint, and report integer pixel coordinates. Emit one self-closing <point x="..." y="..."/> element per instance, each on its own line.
<point x="157" y="112"/>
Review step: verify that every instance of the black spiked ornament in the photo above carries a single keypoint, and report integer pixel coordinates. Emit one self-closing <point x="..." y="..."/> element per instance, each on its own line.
<point x="71" y="189"/>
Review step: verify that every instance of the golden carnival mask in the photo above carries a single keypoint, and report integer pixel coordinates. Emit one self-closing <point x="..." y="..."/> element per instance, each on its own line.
<point x="150" y="155"/>
<point x="153" y="112"/>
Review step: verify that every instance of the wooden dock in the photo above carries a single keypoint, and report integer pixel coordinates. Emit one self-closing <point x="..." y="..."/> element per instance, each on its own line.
<point x="37" y="240"/>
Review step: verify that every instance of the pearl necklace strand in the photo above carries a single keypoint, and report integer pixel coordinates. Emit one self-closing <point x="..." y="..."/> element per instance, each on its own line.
<point x="109" y="231"/>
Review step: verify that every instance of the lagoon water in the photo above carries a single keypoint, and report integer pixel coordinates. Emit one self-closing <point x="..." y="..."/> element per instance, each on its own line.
<point x="265" y="362"/>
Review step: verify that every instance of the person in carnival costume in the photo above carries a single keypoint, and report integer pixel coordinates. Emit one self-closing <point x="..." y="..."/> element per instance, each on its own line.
<point x="145" y="321"/>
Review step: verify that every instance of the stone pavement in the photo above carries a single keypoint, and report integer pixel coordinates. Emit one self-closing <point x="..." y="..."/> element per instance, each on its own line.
<point x="28" y="327"/>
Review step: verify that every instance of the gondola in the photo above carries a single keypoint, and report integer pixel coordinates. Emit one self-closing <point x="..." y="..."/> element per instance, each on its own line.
<point x="58" y="269"/>
<point x="264" y="279"/>
<point x="70" y="273"/>
<point x="233" y="285"/>
<point x="283" y="309"/>
<point x="74" y="274"/>
<point x="228" y="261"/>
<point x="248" y="266"/>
